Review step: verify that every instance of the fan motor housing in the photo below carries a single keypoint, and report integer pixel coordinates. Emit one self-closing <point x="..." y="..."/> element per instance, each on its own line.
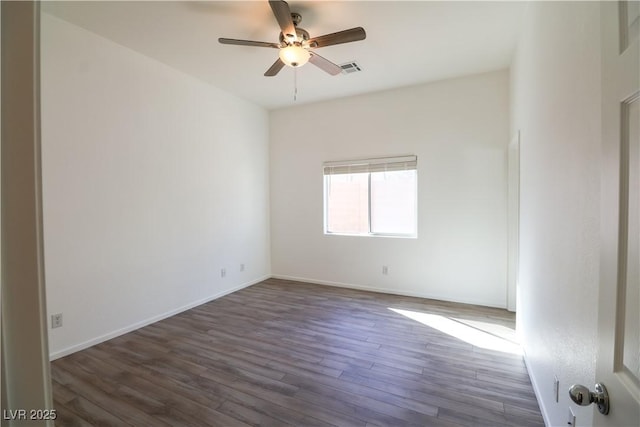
<point x="296" y="18"/>
<point x="303" y="36"/>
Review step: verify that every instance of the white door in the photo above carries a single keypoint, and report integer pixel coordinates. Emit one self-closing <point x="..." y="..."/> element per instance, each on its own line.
<point x="618" y="363"/>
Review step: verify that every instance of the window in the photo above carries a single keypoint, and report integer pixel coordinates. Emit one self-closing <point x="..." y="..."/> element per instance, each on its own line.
<point x="371" y="197"/>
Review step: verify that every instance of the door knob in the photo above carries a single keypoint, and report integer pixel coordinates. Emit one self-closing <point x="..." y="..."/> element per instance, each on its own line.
<point x="584" y="397"/>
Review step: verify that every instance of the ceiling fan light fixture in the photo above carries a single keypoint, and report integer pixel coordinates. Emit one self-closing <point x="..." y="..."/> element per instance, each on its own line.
<point x="294" y="55"/>
<point x="295" y="44"/>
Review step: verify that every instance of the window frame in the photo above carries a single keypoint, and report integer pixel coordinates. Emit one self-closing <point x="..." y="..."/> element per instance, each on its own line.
<point x="364" y="166"/>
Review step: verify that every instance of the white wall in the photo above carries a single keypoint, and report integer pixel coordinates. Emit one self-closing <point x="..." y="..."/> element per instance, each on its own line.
<point x="459" y="129"/>
<point x="556" y="106"/>
<point x="153" y="182"/>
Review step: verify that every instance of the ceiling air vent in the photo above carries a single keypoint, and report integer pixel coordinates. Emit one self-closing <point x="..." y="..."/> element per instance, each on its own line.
<point x="350" y="67"/>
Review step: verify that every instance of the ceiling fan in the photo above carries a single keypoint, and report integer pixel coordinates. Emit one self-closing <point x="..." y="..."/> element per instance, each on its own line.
<point x="295" y="46"/>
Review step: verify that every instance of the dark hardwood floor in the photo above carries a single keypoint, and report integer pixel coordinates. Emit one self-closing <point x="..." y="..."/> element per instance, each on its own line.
<point x="287" y="353"/>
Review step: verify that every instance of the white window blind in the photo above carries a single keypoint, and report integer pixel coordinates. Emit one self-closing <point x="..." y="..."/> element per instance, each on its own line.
<point x="381" y="164"/>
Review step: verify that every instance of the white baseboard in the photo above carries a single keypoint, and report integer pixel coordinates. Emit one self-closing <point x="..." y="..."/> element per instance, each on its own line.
<point x="401" y="292"/>
<point x="81" y="346"/>
<point x="536" y="389"/>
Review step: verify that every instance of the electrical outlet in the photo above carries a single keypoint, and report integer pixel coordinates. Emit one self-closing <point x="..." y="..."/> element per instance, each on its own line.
<point x="556" y="388"/>
<point x="56" y="320"/>
<point x="385" y="270"/>
<point x="572" y="419"/>
<point x="241" y="267"/>
<point x="223" y="272"/>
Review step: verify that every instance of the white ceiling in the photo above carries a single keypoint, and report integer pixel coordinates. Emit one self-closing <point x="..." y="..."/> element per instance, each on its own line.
<point x="408" y="42"/>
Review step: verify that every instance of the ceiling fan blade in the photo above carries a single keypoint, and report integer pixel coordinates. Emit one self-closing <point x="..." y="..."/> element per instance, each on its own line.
<point x="248" y="43"/>
<point x="282" y="13"/>
<point x="324" y="64"/>
<point x="275" y="68"/>
<point x="346" y="36"/>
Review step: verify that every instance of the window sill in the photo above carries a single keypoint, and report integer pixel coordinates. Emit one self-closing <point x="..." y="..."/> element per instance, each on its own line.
<point x="392" y="236"/>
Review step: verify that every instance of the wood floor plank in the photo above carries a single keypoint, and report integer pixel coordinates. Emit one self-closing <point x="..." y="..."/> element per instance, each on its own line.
<point x="65" y="417"/>
<point x="87" y="412"/>
<point x="193" y="405"/>
<point x="242" y="392"/>
<point x="371" y="397"/>
<point x="285" y="353"/>
<point x="92" y="388"/>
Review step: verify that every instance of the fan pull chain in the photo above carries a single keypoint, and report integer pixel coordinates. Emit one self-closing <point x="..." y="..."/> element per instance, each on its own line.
<point x="295" y="84"/>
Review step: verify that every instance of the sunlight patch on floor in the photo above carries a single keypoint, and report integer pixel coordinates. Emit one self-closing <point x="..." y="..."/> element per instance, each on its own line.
<point x="480" y="334"/>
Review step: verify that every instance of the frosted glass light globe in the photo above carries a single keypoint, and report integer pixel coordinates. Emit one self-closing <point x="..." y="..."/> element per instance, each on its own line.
<point x="294" y="55"/>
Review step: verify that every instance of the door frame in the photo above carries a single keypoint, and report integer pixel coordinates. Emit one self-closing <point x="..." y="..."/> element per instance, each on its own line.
<point x="513" y="220"/>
